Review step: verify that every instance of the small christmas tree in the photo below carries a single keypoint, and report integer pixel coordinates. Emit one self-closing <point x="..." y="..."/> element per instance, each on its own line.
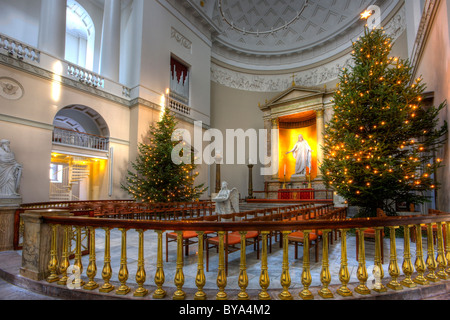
<point x="157" y="178"/>
<point x="380" y="145"/>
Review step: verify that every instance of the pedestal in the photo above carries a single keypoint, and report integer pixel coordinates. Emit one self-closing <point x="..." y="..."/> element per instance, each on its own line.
<point x="274" y="186"/>
<point x="37" y="237"/>
<point x="8" y="207"/>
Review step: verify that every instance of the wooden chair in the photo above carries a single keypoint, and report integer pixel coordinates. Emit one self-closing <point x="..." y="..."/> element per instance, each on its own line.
<point x="298" y="237"/>
<point x="370" y="233"/>
<point x="232" y="239"/>
<point x="188" y="239"/>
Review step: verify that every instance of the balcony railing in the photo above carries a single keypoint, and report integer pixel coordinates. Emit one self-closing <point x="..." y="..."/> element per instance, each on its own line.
<point x="19" y="50"/>
<point x="179" y="107"/>
<point x="85" y="76"/>
<point x="79" y="139"/>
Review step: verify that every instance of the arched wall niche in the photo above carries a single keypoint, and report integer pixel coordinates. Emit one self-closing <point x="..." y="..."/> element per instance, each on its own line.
<point x="82" y="119"/>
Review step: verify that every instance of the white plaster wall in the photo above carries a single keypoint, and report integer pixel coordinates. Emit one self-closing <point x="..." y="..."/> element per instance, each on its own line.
<point x="237" y="109"/>
<point x="434" y="67"/>
<point x="19" y="19"/>
<point x="32" y="148"/>
<point x="33" y="145"/>
<point x="158" y="46"/>
<point x="131" y="44"/>
<point x="141" y="118"/>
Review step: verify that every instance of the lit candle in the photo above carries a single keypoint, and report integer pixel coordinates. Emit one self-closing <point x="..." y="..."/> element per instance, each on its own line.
<point x="284" y="169"/>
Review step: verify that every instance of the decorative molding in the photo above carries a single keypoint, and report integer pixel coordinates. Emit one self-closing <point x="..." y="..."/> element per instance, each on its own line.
<point x="298" y="124"/>
<point x="312" y="77"/>
<point x="429" y="12"/>
<point x="119" y="141"/>
<point x="26" y="122"/>
<point x="10" y="89"/>
<point x="48" y="75"/>
<point x="277" y="83"/>
<point x="182" y="40"/>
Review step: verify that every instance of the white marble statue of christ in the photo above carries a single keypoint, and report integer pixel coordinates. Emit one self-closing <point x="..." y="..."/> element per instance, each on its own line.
<point x="302" y="154"/>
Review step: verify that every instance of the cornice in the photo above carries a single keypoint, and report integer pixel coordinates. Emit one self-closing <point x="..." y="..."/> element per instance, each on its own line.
<point x="426" y="23"/>
<point x="315" y="75"/>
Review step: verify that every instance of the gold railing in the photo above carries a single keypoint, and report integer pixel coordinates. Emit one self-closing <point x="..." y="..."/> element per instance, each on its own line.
<point x="424" y="269"/>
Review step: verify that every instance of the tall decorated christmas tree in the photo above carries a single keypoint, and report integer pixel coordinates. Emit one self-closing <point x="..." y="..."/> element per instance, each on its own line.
<point x="380" y="146"/>
<point x="156" y="177"/>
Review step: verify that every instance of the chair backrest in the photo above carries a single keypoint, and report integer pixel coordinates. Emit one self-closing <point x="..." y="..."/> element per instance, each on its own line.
<point x="380" y="213"/>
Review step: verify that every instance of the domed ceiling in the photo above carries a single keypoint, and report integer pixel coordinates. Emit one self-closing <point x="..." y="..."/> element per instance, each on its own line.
<point x="282" y="34"/>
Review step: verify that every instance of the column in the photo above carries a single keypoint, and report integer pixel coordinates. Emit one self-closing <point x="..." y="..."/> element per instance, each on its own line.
<point x="274" y="146"/>
<point x="320" y="128"/>
<point x="37" y="243"/>
<point x="52" y="28"/>
<point x="8" y="209"/>
<point x="110" y="52"/>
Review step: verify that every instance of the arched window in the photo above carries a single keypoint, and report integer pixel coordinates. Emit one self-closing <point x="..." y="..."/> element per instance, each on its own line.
<point x="80" y="36"/>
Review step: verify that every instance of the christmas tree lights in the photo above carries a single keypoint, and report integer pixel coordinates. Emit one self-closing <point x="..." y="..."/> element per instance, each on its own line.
<point x="156" y="178"/>
<point x="380" y="145"/>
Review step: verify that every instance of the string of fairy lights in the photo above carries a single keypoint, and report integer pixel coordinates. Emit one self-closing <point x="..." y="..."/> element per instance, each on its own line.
<point x="366" y="147"/>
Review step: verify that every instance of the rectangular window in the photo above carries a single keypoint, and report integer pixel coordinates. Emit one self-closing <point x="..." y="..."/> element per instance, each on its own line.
<point x="179" y="81"/>
<point x="56" y="173"/>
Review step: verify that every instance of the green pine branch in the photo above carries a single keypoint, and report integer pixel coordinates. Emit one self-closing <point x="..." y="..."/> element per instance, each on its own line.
<point x="381" y="143"/>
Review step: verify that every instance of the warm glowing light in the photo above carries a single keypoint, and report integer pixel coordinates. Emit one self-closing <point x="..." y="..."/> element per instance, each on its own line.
<point x="366" y="15"/>
<point x="162" y="104"/>
<point x="56" y="84"/>
<point x="287" y="140"/>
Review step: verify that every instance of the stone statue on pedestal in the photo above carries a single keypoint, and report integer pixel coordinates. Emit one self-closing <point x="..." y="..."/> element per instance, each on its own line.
<point x="302" y="154"/>
<point x="10" y="172"/>
<point x="227" y="201"/>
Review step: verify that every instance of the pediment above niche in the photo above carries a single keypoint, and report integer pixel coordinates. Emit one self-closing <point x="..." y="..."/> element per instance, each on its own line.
<point x="295" y="99"/>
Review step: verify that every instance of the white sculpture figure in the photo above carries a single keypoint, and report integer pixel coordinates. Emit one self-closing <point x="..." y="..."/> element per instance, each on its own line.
<point x="302" y="154"/>
<point x="10" y="171"/>
<point x="227" y="201"/>
<point x="377" y="275"/>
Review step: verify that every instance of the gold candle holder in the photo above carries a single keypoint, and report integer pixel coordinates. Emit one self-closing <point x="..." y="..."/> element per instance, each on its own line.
<point x="179" y="275"/>
<point x="362" y="270"/>
<point x="159" y="275"/>
<point x="107" y="270"/>
<point x="78" y="282"/>
<point x="140" y="273"/>
<point x="447" y="245"/>
<point x="394" y="270"/>
<point x="123" y="271"/>
<point x="264" y="280"/>
<point x="441" y="259"/>
<point x="243" y="277"/>
<point x="53" y="263"/>
<point x="407" y="266"/>
<point x="221" y="275"/>
<point x="285" y="276"/>
<point x="325" y="276"/>
<point x="379" y="287"/>
<point x="91" y="270"/>
<point x="65" y="262"/>
<point x="200" y="279"/>
<point x="420" y="261"/>
<point x="344" y="275"/>
<point x="306" y="294"/>
<point x="431" y="260"/>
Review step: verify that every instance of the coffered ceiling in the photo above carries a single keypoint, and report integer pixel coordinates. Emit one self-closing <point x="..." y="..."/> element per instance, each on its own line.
<point x="241" y="29"/>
